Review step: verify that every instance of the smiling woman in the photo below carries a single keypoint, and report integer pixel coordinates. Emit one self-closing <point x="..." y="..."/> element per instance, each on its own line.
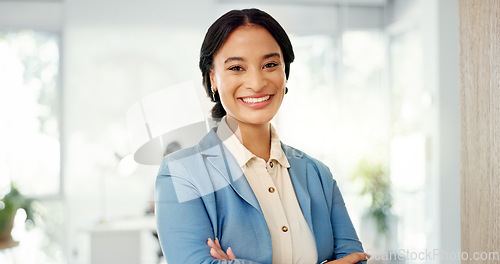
<point x="249" y="75"/>
<point x="241" y="195"/>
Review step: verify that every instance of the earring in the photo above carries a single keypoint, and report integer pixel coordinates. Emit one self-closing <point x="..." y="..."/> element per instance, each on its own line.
<point x="213" y="94"/>
<point x="286" y="90"/>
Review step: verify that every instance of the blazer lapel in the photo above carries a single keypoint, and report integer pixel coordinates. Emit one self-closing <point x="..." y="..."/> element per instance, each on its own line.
<point x="223" y="161"/>
<point x="298" y="174"/>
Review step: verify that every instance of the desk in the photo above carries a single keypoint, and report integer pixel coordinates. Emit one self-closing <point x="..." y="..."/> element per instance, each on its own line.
<point x="128" y="241"/>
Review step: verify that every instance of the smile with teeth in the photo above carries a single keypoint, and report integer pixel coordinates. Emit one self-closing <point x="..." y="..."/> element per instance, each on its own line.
<point x="251" y="100"/>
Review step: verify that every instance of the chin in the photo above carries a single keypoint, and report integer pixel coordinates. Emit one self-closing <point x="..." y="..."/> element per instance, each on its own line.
<point x="254" y="118"/>
<point x="258" y="118"/>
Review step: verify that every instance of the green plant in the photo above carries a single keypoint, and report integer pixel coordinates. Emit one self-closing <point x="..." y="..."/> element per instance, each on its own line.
<point x="376" y="184"/>
<point x="9" y="205"/>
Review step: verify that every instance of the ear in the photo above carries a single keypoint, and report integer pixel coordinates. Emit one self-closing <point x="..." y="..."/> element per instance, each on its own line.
<point x="212" y="80"/>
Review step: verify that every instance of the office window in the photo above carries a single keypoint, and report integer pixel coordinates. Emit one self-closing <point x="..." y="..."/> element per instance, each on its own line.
<point x="410" y="106"/>
<point x="30" y="140"/>
<point x="359" y="95"/>
<point x="311" y="89"/>
<point x="336" y="109"/>
<point x="29" y="111"/>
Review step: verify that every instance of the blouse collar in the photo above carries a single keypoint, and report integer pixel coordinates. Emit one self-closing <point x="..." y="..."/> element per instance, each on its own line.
<point x="241" y="153"/>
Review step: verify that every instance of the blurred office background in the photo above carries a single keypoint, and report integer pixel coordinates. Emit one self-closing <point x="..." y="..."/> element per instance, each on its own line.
<point x="373" y="93"/>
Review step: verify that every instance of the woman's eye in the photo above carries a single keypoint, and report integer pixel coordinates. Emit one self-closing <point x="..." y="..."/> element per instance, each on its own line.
<point x="271" y="65"/>
<point x="236" y="68"/>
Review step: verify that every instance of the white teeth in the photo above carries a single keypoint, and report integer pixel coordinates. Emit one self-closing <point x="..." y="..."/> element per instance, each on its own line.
<point x="249" y="100"/>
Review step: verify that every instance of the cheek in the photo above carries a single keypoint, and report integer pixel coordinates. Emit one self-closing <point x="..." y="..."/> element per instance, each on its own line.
<point x="227" y="89"/>
<point x="279" y="80"/>
<point x="229" y="83"/>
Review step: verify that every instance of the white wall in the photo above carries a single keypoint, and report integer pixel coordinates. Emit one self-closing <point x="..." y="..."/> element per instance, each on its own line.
<point x="439" y="24"/>
<point x="449" y="125"/>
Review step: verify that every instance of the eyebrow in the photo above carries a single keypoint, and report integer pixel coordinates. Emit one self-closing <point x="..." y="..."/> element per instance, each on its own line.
<point x="270" y="55"/>
<point x="230" y="59"/>
<point x="267" y="56"/>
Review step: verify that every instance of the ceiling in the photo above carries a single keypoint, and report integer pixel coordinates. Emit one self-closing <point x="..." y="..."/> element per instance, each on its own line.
<point x="315" y="2"/>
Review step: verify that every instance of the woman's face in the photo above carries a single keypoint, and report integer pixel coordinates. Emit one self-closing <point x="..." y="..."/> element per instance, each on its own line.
<point x="249" y="74"/>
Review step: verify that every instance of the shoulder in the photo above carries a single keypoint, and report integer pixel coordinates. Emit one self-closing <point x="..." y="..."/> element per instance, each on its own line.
<point x="175" y="160"/>
<point x="191" y="156"/>
<point x="317" y="175"/>
<point x="316" y="164"/>
<point x="176" y="179"/>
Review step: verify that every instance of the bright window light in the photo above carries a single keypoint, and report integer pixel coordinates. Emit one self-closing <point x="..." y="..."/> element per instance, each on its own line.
<point x="29" y="111"/>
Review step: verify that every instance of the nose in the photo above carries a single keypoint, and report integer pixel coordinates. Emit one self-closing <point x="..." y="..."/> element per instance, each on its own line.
<point x="255" y="80"/>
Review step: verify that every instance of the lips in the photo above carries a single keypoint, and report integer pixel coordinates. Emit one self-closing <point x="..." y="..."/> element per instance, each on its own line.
<point x="253" y="100"/>
<point x="256" y="101"/>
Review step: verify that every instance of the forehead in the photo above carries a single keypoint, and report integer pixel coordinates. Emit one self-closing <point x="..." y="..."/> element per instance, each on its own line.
<point x="249" y="40"/>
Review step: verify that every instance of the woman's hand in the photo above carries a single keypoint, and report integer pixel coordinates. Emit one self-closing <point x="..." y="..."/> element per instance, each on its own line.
<point x="350" y="259"/>
<point x="217" y="252"/>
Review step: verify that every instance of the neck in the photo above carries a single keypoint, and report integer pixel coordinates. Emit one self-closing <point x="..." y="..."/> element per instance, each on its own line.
<point x="256" y="138"/>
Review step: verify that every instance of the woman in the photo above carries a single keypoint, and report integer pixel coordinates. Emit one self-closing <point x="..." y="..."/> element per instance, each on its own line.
<point x="240" y="195"/>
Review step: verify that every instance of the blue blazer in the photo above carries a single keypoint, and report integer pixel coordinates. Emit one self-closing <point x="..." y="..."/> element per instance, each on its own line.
<point x="201" y="193"/>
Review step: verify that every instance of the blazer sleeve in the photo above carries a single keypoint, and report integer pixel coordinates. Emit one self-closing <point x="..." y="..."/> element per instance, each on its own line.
<point x="182" y="220"/>
<point x="345" y="237"/>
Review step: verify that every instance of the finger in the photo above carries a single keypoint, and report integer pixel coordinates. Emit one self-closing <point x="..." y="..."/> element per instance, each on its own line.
<point x="216" y="251"/>
<point x="221" y="253"/>
<point x="230" y="253"/>
<point x="217" y="242"/>
<point x="216" y="254"/>
<point x="211" y="243"/>
<point x="219" y="249"/>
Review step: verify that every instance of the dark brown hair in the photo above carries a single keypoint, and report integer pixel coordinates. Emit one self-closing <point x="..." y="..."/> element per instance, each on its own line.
<point x="217" y="35"/>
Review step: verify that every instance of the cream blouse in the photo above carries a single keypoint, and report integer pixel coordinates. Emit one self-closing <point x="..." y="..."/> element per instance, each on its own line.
<point x="291" y="238"/>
